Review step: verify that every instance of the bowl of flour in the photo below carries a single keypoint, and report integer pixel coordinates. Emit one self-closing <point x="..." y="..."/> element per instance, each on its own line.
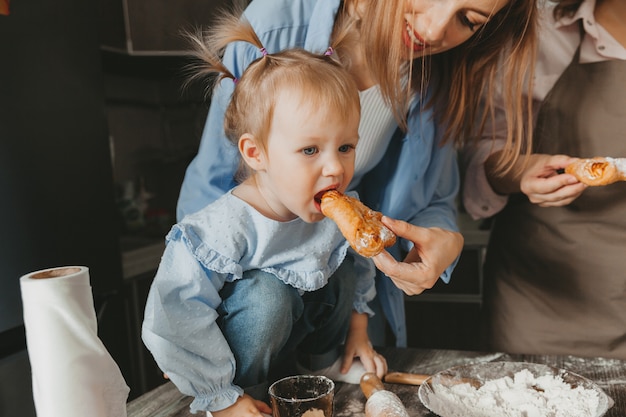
<point x="512" y="389"/>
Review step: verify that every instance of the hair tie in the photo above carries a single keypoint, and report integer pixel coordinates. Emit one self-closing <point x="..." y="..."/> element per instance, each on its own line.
<point x="263" y="51"/>
<point x="329" y="51"/>
<point x="235" y="80"/>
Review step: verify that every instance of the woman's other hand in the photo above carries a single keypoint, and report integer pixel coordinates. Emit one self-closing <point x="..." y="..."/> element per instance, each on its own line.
<point x="545" y="186"/>
<point x="434" y="249"/>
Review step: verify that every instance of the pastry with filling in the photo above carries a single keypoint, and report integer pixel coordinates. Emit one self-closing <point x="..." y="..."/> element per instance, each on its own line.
<point x="599" y="170"/>
<point x="360" y="225"/>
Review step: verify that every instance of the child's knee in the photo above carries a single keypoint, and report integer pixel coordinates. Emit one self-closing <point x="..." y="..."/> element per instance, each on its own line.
<point x="268" y="306"/>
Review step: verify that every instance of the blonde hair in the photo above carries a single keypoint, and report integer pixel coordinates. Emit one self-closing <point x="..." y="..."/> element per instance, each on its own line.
<point x="320" y="78"/>
<point x="461" y="76"/>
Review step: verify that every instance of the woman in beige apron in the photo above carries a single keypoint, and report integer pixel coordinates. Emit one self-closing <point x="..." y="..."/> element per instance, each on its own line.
<point x="556" y="276"/>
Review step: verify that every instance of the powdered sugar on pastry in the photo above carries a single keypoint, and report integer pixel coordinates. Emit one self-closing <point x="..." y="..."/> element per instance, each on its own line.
<point x="620" y="163"/>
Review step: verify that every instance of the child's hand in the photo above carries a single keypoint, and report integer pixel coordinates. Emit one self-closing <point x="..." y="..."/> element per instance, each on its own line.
<point x="372" y="361"/>
<point x="246" y="406"/>
<point x="358" y="345"/>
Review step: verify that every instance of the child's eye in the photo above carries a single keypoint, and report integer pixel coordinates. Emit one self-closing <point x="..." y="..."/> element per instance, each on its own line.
<point x="467" y="22"/>
<point x="310" y="151"/>
<point x="346" y="148"/>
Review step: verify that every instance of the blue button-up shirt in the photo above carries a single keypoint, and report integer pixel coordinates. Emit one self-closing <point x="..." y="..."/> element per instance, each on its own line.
<point x="417" y="181"/>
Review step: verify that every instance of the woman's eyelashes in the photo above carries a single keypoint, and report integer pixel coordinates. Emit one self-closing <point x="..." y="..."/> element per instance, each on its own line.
<point x="469" y="23"/>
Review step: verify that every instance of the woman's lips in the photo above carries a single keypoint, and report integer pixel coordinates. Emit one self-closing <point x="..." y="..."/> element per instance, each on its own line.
<point x="413" y="40"/>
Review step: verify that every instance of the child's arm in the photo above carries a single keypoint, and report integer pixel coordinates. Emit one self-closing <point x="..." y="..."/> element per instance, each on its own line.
<point x="181" y="332"/>
<point x="357" y="342"/>
<point x="358" y="345"/>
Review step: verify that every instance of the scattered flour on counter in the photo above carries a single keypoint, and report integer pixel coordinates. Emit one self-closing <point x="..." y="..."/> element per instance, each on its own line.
<point x="353" y="408"/>
<point x="523" y="395"/>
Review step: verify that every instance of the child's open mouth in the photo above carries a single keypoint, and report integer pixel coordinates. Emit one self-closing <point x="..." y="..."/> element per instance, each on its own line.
<point x="318" y="198"/>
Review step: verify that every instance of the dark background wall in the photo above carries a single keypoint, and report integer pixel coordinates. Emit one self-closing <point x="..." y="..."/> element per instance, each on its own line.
<point x="55" y="169"/>
<point x="80" y="121"/>
<point x="56" y="190"/>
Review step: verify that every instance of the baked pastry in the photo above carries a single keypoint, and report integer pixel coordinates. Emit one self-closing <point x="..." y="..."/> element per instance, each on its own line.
<point x="360" y="225"/>
<point x="598" y="170"/>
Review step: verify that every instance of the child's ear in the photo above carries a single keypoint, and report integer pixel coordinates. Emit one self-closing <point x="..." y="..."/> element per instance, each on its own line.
<point x="251" y="152"/>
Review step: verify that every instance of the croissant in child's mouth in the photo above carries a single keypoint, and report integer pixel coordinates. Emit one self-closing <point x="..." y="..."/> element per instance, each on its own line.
<point x="360" y="225"/>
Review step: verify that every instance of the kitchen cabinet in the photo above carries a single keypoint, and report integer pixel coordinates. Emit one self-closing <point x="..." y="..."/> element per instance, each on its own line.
<point x="140" y="260"/>
<point x="148" y="27"/>
<point x="448" y="315"/>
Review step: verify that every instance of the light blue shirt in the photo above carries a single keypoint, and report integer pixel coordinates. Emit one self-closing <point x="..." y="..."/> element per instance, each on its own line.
<point x="214" y="246"/>
<point x="417" y="181"/>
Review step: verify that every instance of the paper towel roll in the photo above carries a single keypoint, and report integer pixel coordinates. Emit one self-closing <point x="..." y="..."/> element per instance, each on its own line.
<point x="73" y="373"/>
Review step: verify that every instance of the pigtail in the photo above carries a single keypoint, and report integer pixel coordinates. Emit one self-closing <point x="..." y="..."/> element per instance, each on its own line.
<point x="344" y="39"/>
<point x="207" y="47"/>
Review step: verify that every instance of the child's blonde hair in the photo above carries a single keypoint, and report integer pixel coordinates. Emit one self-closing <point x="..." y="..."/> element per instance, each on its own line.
<point x="322" y="82"/>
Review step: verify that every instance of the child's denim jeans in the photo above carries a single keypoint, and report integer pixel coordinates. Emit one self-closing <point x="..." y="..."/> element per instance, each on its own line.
<point x="267" y="322"/>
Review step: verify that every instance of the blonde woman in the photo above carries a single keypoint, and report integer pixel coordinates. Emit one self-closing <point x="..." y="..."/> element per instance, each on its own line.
<point x="421" y="67"/>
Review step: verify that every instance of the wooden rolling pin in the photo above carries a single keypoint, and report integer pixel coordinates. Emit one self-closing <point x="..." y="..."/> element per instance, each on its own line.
<point x="419" y="379"/>
<point x="380" y="402"/>
<point x="405" y="378"/>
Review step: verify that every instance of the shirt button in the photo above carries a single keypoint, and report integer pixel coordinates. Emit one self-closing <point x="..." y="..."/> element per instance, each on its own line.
<point x="589" y="22"/>
<point x="485" y="208"/>
<point x="601" y="47"/>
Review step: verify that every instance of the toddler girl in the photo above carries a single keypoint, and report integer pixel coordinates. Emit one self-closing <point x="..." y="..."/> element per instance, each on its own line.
<point x="243" y="286"/>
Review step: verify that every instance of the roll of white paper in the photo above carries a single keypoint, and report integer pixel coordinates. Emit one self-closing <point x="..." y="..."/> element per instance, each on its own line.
<point x="73" y="373"/>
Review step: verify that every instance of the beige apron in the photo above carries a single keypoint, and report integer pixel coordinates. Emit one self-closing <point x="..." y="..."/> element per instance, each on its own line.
<point x="556" y="277"/>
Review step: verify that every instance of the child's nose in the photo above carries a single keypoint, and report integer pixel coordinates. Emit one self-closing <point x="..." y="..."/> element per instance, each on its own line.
<point x="332" y="167"/>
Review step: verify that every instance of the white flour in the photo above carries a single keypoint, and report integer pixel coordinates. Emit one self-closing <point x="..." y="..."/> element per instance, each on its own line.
<point x="520" y="396"/>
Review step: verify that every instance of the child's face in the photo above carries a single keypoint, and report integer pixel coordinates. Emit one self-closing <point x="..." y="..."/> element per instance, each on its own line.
<point x="309" y="150"/>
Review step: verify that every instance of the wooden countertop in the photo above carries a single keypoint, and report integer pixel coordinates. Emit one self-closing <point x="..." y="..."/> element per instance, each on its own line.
<point x="608" y="374"/>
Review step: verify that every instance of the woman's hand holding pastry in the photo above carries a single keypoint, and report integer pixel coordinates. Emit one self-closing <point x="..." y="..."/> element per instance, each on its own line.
<point x="246" y="406"/>
<point x="545" y="186"/>
<point x="434" y="249"/>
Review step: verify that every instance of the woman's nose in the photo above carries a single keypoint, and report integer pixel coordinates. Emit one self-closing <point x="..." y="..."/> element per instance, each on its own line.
<point x="437" y="22"/>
